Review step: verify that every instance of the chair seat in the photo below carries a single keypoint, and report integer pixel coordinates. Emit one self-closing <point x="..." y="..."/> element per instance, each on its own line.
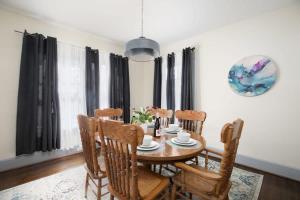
<point x="150" y="184"/>
<point x="100" y="174"/>
<point x="101" y="162"/>
<point x="193" y="182"/>
<point x="206" y="172"/>
<point x="204" y="189"/>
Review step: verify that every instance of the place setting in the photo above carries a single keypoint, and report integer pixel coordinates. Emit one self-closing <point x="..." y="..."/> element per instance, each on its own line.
<point x="183" y="139"/>
<point x="172" y="129"/>
<point x="148" y="144"/>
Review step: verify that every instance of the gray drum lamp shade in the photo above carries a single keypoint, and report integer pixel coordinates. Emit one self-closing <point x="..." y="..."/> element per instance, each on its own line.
<point x="142" y="49"/>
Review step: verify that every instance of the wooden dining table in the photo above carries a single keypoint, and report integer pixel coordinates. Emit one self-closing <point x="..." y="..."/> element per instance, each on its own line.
<point x="169" y="153"/>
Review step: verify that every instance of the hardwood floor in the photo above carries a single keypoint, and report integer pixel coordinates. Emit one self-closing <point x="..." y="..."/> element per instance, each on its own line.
<point x="273" y="187"/>
<point x="26" y="174"/>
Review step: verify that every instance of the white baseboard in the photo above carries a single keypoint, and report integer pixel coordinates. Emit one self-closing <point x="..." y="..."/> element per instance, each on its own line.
<point x="266" y="166"/>
<point x="37" y="157"/>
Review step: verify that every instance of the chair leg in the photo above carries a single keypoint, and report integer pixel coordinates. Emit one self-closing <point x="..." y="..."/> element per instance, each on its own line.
<point x="111" y="197"/>
<point x="99" y="189"/>
<point x="86" y="185"/>
<point x="154" y="168"/>
<point x="167" y="194"/>
<point x="160" y="168"/>
<point x="173" y="194"/>
<point x="197" y="160"/>
<point x="206" y="159"/>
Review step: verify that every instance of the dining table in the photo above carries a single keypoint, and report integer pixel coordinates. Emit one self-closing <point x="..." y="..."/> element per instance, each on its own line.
<point x="168" y="152"/>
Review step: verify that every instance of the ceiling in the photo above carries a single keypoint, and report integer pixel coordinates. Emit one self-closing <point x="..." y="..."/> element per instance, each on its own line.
<point x="164" y="20"/>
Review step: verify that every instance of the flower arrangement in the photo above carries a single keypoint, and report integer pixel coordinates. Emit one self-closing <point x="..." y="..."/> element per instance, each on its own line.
<point x="142" y="116"/>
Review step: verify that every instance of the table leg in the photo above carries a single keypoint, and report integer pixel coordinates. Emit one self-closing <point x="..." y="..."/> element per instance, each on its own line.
<point x="148" y="166"/>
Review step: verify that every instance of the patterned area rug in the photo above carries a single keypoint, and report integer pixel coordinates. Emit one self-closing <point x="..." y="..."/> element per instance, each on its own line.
<point x="69" y="185"/>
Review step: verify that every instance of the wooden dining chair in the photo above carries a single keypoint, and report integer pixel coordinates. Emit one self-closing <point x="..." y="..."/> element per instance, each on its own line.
<point x="191" y="120"/>
<point x="165" y="118"/>
<point x="109" y="113"/>
<point x="201" y="181"/>
<point x="95" y="167"/>
<point x="126" y="179"/>
<point x="164" y="114"/>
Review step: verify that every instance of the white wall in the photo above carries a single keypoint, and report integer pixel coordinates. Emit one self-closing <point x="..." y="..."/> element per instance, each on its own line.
<point x="141" y="83"/>
<point x="272" y="131"/>
<point x="271" y="136"/>
<point x="10" y="54"/>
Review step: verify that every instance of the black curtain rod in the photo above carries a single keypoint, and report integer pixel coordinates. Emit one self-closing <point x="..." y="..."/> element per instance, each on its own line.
<point x="21" y="32"/>
<point x="18" y="31"/>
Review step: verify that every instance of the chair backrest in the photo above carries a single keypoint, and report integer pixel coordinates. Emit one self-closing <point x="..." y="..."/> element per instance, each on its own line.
<point x="164" y="114"/>
<point x="87" y="126"/>
<point x="119" y="146"/>
<point x="230" y="136"/>
<point x="191" y="120"/>
<point x="109" y="113"/>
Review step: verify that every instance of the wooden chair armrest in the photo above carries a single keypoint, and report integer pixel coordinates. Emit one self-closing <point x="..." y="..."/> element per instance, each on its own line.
<point x="97" y="140"/>
<point x="199" y="172"/>
<point x="207" y="150"/>
<point x="213" y="151"/>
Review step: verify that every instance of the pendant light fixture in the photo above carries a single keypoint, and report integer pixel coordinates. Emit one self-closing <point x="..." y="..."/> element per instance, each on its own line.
<point x="142" y="49"/>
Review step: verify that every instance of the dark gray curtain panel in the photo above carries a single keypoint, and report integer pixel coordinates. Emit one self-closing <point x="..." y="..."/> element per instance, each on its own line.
<point x="187" y="79"/>
<point x="91" y="80"/>
<point x="119" y="85"/>
<point x="38" y="117"/>
<point x="157" y="82"/>
<point x="171" y="81"/>
<point x="126" y="91"/>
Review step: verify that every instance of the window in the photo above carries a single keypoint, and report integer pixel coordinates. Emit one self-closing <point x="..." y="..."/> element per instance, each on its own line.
<point x="71" y="88"/>
<point x="104" y="70"/>
<point x="178" y="71"/>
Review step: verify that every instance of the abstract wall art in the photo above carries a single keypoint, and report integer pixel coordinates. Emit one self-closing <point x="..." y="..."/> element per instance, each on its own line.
<point x="253" y="75"/>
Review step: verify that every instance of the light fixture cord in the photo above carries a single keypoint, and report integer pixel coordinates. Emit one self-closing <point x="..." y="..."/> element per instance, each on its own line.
<point x="142" y="22"/>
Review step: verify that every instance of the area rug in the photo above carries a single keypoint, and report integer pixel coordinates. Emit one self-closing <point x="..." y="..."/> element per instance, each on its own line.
<point x="69" y="185"/>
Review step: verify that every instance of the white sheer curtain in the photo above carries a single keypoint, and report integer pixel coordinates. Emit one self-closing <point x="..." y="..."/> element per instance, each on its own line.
<point x="164" y="81"/>
<point x="71" y="88"/>
<point x="178" y="72"/>
<point x="104" y="70"/>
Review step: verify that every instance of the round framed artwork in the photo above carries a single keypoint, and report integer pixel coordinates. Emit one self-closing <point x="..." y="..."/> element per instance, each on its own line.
<point x="253" y="75"/>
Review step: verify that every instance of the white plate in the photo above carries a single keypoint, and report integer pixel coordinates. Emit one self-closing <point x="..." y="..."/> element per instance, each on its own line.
<point x="168" y="130"/>
<point x="192" y="142"/>
<point x="143" y="148"/>
<point x="181" y="142"/>
<point x="153" y="144"/>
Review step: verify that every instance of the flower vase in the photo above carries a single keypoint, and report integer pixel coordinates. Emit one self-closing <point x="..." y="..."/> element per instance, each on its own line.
<point x="144" y="127"/>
